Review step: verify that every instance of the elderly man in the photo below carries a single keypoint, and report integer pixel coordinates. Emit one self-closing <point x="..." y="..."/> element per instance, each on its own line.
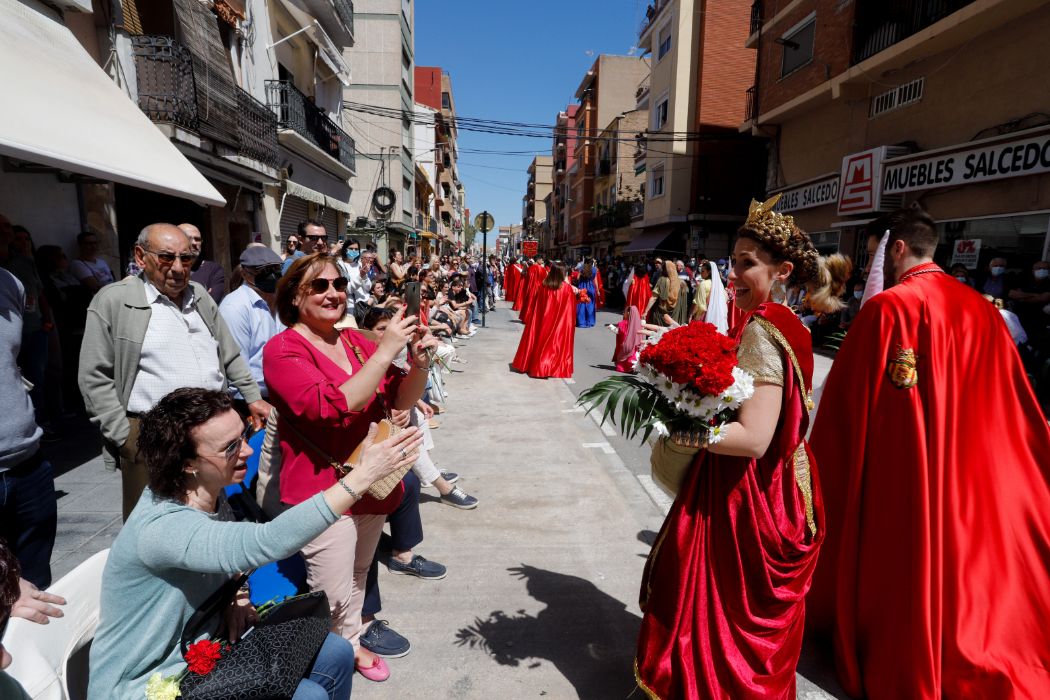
<point x="147" y="336"/>
<point x="207" y="273"/>
<point x="248" y="310"/>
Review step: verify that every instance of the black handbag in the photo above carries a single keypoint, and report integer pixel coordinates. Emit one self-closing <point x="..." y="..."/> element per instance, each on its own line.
<point x="270" y="659"/>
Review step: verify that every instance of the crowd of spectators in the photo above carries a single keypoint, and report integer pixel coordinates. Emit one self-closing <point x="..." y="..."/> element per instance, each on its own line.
<point x="312" y="344"/>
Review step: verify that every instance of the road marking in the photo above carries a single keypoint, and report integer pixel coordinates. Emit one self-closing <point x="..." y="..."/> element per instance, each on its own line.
<point x="578" y="409"/>
<point x="569" y="381"/>
<point x="603" y="446"/>
<point x="660" y="497"/>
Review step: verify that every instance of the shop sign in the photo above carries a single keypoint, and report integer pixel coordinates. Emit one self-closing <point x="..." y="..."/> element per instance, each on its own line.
<point x="966" y="251"/>
<point x="964" y="164"/>
<point x="808" y="195"/>
<point x="861" y="181"/>
<point x="530" y="248"/>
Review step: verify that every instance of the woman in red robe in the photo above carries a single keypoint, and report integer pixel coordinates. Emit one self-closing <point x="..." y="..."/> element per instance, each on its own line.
<point x="535" y="278"/>
<point x="512" y="283"/>
<point x="640" y="289"/>
<point x="724" y="588"/>
<point x="547" y="344"/>
<point x="519" y="292"/>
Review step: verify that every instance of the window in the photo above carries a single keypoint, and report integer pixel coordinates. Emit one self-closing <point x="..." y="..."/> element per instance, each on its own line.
<point x="446" y="101"/>
<point x="663" y="39"/>
<point x="660" y="113"/>
<point x="798" y="45"/>
<point x="656" y="180"/>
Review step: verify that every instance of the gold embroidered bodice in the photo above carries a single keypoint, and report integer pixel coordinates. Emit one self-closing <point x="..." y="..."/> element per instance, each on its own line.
<point x="760" y="355"/>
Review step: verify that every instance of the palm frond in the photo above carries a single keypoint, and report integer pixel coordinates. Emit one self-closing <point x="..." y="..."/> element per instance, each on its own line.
<point x="636" y="404"/>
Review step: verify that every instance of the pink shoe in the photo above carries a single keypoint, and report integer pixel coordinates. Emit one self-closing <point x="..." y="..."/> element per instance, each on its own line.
<point x="377" y="672"/>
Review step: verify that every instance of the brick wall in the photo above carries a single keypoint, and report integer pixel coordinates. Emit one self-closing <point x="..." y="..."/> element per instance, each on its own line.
<point x="727" y="67"/>
<point x="428" y="86"/>
<point x="831" y="49"/>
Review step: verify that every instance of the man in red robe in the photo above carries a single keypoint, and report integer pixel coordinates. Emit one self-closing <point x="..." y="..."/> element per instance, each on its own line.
<point x="537" y="273"/>
<point x="935" y="575"/>
<point x="511" y="282"/>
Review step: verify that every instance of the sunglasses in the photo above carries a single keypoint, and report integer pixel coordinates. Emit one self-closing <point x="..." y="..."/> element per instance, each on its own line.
<point x="317" y="238"/>
<point x="234" y="448"/>
<point x="319" y="285"/>
<point x="169" y="258"/>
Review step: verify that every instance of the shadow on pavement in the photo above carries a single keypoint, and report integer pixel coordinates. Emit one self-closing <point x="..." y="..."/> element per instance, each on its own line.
<point x="587" y="634"/>
<point x="80" y="443"/>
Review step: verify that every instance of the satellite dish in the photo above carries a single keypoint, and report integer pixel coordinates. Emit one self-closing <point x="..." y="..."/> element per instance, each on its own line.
<point x="383" y="200"/>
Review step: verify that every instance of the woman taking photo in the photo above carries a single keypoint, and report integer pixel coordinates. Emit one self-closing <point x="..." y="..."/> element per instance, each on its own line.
<point x="547" y="345"/>
<point x="724" y="588"/>
<point x="180" y="545"/>
<point x="328" y="386"/>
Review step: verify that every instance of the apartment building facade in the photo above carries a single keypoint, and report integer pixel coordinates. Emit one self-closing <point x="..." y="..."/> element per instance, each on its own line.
<point x="563" y="156"/>
<point x="607" y="90"/>
<point x="618" y="187"/>
<point x="380" y="101"/>
<point x="699" y="169"/>
<point x="872" y="105"/>
<point x="534" y="214"/>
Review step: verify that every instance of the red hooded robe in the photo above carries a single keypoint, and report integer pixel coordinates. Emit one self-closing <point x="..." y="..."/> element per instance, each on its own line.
<point x="547" y="343"/>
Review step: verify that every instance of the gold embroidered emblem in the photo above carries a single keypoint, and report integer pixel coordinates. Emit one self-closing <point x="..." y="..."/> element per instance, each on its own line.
<point x="902" y="369"/>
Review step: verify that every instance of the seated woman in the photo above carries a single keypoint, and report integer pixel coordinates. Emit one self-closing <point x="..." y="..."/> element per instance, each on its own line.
<point x="381" y="296"/>
<point x="180" y="545"/>
<point x="328" y="385"/>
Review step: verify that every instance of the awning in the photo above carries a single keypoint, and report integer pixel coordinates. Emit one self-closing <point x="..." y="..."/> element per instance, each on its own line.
<point x="333" y="203"/>
<point x="326" y="48"/>
<point x="310" y="195"/>
<point x="649" y="242"/>
<point x="61" y="110"/>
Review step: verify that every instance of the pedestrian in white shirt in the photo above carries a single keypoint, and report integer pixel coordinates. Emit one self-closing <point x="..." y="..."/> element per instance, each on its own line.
<point x="348" y="259"/>
<point x="249" y="309"/>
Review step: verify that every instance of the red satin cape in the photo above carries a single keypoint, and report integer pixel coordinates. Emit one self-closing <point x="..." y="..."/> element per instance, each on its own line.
<point x="547" y="343"/>
<point x="724" y="588"/>
<point x="936" y="571"/>
<point x="600" y="286"/>
<point x="638" y="294"/>
<point x="511" y="283"/>
<point x="533" y="283"/>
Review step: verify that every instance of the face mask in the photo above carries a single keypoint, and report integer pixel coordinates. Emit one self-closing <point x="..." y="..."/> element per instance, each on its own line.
<point x="267" y="281"/>
<point x="961" y="279"/>
<point x="998" y="270"/>
<point x="353" y="254"/>
<point x="1041" y="274"/>
<point x="858" y="295"/>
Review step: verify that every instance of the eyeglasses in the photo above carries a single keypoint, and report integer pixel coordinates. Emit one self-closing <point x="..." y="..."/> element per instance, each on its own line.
<point x="319" y="285"/>
<point x="169" y="258"/>
<point x="317" y="238"/>
<point x="234" y="448"/>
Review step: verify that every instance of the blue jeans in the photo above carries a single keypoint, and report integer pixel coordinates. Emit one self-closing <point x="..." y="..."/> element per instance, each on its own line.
<point x="29" y="516"/>
<point x="332" y="674"/>
<point x="406" y="532"/>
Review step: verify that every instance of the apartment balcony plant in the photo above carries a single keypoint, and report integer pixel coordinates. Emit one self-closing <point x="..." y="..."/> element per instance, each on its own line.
<point x="170" y="91"/>
<point x="295" y="112"/>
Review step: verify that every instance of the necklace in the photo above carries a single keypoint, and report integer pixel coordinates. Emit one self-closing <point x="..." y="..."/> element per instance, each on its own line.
<point x="923" y="271"/>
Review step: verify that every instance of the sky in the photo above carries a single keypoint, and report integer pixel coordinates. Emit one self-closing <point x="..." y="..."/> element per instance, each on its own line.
<point x="516" y="61"/>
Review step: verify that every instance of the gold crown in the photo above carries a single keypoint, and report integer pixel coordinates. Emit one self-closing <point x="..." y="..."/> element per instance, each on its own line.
<point x="774" y="227"/>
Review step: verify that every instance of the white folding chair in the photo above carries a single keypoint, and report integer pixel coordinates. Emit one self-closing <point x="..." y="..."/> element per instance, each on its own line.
<point x="46" y="659"/>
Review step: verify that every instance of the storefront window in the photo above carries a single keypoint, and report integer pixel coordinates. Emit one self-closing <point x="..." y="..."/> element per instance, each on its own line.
<point x="1020" y="239"/>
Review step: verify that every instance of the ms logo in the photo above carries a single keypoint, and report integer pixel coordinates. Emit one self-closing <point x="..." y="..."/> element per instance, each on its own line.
<point x="858" y="183"/>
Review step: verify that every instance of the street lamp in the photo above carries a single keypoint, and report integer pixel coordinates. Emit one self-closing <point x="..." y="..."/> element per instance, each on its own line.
<point x="484" y="222"/>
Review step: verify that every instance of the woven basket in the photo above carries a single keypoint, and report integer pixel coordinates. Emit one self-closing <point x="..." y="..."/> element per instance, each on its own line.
<point x="672" y="457"/>
<point x="382" y="488"/>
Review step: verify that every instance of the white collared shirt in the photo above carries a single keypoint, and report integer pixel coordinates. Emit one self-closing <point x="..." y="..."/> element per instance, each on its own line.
<point x="178" y="351"/>
<point x="251" y="324"/>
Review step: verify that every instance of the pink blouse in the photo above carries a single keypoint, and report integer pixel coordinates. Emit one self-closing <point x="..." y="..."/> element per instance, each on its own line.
<point x="304" y="388"/>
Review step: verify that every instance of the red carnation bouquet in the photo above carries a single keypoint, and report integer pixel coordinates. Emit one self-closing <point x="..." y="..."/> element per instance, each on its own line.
<point x="583" y="297"/>
<point x="688" y="386"/>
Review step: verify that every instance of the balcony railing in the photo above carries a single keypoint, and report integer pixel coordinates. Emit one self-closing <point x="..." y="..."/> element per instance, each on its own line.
<point x="651" y="13"/>
<point x="604" y="167"/>
<point x="756" y="16"/>
<point x="296" y="112"/>
<point x="169" y="92"/>
<point x="880" y="25"/>
<point x="637" y="210"/>
<point x="345" y="10"/>
<point x="751" y="105"/>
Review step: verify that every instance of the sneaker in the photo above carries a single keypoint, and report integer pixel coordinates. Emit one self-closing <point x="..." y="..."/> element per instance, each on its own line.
<point x="450" y="477"/>
<point x="459" y="499"/>
<point x="419" y="566"/>
<point x="379" y="639"/>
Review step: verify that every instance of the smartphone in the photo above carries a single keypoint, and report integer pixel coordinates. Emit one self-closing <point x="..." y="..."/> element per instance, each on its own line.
<point x="411" y="295"/>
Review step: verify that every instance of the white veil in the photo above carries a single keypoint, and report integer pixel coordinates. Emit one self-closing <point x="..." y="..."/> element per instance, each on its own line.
<point x="876" y="281"/>
<point x="717" y="302"/>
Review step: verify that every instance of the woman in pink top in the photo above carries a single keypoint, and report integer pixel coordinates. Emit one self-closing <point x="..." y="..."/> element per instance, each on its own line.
<point x="328" y="386"/>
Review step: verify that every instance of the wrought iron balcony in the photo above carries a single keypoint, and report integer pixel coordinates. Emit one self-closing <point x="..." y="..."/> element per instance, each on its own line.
<point x="751" y="106"/>
<point x="756" y="16"/>
<point x="879" y="25"/>
<point x="637" y="210"/>
<point x="169" y="92"/>
<point x="296" y="112"/>
<point x="604" y="167"/>
<point x="345" y="10"/>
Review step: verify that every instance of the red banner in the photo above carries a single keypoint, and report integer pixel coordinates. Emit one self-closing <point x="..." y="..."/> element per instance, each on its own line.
<point x="530" y="248"/>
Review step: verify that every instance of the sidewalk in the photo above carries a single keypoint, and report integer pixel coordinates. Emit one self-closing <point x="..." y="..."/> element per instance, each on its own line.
<point x="541" y="594"/>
